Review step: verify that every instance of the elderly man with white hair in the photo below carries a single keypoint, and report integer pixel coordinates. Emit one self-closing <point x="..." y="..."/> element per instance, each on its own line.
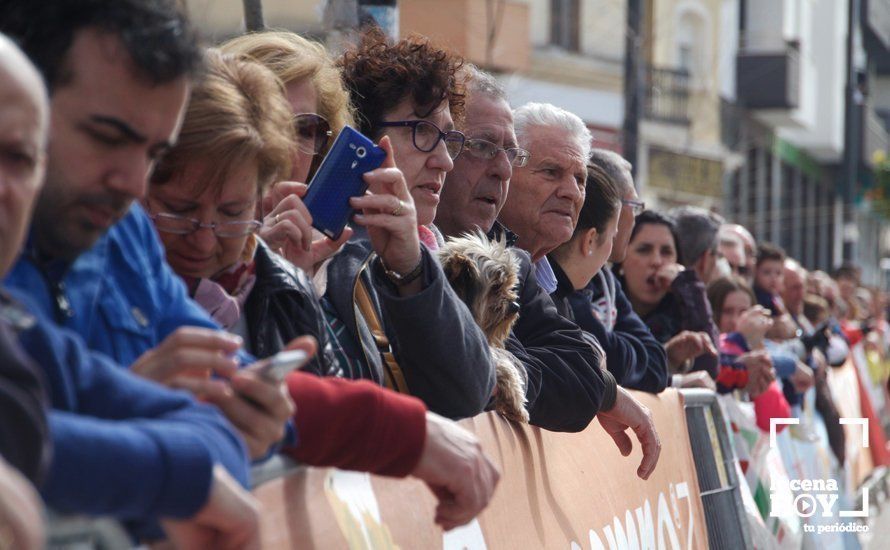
<point x="567" y="380"/>
<point x="546" y="196"/>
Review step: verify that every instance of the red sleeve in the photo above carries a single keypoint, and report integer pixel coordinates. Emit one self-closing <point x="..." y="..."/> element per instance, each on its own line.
<point x="356" y="425"/>
<point x="771" y="404"/>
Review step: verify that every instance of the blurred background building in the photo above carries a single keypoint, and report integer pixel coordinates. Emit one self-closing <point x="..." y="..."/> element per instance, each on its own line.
<point x="774" y="113"/>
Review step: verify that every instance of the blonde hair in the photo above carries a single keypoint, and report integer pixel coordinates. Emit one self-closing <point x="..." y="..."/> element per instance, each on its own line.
<point x="237" y="113"/>
<point x="293" y="58"/>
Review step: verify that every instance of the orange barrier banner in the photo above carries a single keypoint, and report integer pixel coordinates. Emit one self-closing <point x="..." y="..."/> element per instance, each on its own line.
<point x="844" y="384"/>
<point x="566" y="491"/>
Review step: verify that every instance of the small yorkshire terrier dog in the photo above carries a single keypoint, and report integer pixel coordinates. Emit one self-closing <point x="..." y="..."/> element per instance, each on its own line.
<point x="484" y="274"/>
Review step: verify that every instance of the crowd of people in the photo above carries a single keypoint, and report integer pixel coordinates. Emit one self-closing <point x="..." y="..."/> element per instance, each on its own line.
<point x="155" y="245"/>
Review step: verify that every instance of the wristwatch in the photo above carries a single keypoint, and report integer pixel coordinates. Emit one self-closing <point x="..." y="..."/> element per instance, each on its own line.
<point x="400" y="279"/>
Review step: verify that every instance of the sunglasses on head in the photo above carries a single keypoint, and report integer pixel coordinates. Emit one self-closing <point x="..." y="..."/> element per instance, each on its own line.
<point x="313" y="132"/>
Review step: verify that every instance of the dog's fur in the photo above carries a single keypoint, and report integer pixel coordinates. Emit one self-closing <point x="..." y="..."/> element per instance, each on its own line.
<point x="484" y="274"/>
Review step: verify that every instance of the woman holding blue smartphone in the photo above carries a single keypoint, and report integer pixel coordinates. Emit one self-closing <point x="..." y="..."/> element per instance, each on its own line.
<point x="406" y="317"/>
<point x="399" y="322"/>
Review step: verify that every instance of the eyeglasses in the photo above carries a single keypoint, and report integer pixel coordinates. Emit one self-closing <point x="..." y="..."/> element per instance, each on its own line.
<point x="427" y="135"/>
<point x="635" y="206"/>
<point x="486" y="150"/>
<point x="180" y="225"/>
<point x="313" y="132"/>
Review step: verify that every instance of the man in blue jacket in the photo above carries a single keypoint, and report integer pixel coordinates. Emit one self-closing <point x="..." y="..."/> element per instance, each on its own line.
<point x="122" y="446"/>
<point x="119" y="77"/>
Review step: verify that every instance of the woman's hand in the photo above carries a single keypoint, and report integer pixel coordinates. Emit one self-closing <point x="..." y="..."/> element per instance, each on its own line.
<point x="753" y="324"/>
<point x="760" y="372"/>
<point x="803" y="378"/>
<point x="688" y="345"/>
<point x="697" y="379"/>
<point x="387" y="211"/>
<point x="665" y="276"/>
<point x="287" y="229"/>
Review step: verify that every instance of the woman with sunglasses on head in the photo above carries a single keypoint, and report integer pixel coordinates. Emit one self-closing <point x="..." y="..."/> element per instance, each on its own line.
<point x="320" y="106"/>
<point x="236" y="140"/>
<point x="398" y="321"/>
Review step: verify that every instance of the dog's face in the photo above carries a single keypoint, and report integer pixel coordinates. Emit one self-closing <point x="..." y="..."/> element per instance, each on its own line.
<point x="484" y="275"/>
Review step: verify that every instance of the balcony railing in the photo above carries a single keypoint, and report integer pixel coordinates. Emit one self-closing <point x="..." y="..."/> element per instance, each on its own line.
<point x="667" y="95"/>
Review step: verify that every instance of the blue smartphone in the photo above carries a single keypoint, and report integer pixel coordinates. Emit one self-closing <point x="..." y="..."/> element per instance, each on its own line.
<point x="339" y="178"/>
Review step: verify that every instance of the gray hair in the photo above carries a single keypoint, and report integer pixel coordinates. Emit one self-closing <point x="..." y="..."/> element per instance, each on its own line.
<point x="730" y="240"/>
<point x="545" y="114"/>
<point x="615" y="166"/>
<point x="696" y="232"/>
<point x="478" y="81"/>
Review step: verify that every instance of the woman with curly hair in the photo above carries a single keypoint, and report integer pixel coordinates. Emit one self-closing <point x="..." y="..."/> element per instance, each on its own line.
<point x="395" y="315"/>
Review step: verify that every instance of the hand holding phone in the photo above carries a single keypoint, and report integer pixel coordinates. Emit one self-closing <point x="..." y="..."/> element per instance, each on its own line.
<point x="339" y="178"/>
<point x="276" y="368"/>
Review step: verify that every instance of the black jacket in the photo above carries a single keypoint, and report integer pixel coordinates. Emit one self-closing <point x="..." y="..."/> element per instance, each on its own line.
<point x="24" y="435"/>
<point x="633" y="355"/>
<point x="685" y="307"/>
<point x="282" y="305"/>
<point x="439" y="347"/>
<point x="566" y="386"/>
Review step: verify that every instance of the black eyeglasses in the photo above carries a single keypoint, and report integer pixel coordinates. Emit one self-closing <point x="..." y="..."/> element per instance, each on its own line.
<point x="635" y="206"/>
<point x="180" y="225"/>
<point x="427" y="135"/>
<point x="486" y="150"/>
<point x="313" y="132"/>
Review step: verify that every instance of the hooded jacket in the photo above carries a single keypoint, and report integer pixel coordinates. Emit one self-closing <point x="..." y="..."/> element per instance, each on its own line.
<point x="633" y="355"/>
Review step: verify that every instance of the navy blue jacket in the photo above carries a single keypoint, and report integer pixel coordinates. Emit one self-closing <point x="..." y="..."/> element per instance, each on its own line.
<point x="633" y="355"/>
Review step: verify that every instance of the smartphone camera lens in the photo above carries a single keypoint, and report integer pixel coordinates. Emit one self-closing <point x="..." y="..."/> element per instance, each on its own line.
<point x="361" y="152"/>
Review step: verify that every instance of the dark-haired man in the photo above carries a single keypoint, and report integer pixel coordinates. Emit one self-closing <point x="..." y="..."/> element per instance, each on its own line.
<point x="119" y="76"/>
<point x="123" y="446"/>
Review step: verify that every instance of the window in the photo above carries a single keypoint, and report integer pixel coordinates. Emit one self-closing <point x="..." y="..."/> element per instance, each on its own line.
<point x="565" y="24"/>
<point x="690" y="43"/>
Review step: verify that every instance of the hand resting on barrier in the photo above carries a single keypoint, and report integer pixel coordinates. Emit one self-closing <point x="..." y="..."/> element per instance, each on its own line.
<point x="21" y="511"/>
<point x="229" y="519"/>
<point x="457" y="471"/>
<point x="630" y="413"/>
<point x="287" y="228"/>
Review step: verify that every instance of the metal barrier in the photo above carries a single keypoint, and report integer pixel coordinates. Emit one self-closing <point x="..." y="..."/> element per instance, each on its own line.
<point x="719" y="485"/>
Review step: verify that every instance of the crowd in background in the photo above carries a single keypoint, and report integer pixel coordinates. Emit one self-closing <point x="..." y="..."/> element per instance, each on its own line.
<point x="154" y="246"/>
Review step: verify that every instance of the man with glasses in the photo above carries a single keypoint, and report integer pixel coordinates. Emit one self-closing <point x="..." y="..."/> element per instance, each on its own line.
<point x="629" y="344"/>
<point x="566" y="386"/>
